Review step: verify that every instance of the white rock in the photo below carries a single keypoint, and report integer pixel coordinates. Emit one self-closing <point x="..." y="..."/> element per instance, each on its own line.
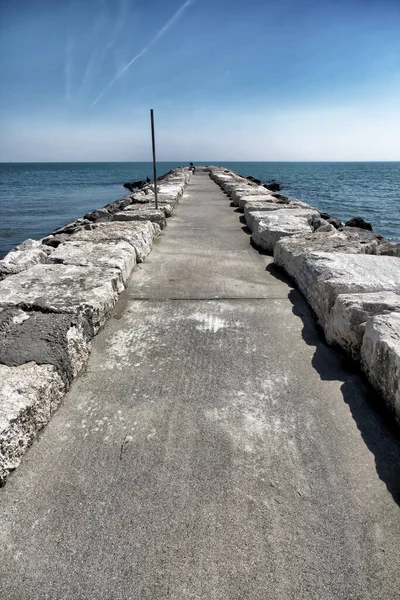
<point x="272" y="226"/>
<point x="380" y="358"/>
<point x="351" y="241"/>
<point x="165" y="207"/>
<point x="230" y="185"/>
<point x="268" y="203"/>
<point x="117" y="254"/>
<point x="346" y="322"/>
<point x="28" y="396"/>
<point x="24" y="256"/>
<point x="323" y="276"/>
<point x="139" y="235"/>
<point x="243" y="193"/>
<point x="87" y="291"/>
<point x="142" y="214"/>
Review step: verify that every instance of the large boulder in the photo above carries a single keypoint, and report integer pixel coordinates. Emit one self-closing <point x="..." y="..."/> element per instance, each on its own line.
<point x="254" y="179"/>
<point x="139" y="235"/>
<point x="273" y="185"/>
<point x="90" y="292"/>
<point x="29" y="394"/>
<point x="358" y="222"/>
<point x="253" y="209"/>
<point x="346" y="322"/>
<point x="389" y="248"/>
<point x="166" y="207"/>
<point x="72" y="227"/>
<point x="115" y="254"/>
<point x="348" y="241"/>
<point x="380" y="358"/>
<point x="153" y="215"/>
<point x="135" y="185"/>
<point x="98" y="216"/>
<point x="118" y="205"/>
<point x="24" y="256"/>
<point x="274" y="225"/>
<point x="323" y="276"/>
<point x="60" y="340"/>
<point x="244" y="192"/>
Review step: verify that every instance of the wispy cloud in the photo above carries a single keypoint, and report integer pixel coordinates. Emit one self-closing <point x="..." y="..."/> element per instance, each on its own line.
<point x="99" y="52"/>
<point x="69" y="50"/>
<point x="159" y="34"/>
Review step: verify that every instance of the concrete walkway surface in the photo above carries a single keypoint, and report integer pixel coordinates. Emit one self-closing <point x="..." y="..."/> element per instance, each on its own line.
<point x="216" y="448"/>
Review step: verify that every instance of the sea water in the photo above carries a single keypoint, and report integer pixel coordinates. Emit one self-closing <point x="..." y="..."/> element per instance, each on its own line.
<point x="36" y="198"/>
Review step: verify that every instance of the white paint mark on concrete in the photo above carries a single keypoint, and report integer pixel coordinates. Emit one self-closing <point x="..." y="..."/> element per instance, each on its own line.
<point x="211" y="323"/>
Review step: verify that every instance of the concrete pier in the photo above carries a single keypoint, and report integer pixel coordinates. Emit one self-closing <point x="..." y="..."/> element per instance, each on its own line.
<point x="215" y="447"/>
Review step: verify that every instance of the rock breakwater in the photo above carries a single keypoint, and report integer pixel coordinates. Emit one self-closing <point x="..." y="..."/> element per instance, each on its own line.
<point x="349" y="275"/>
<point x="56" y="294"/>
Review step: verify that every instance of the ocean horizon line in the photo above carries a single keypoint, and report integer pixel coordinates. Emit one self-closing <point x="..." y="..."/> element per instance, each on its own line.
<point x="202" y="162"/>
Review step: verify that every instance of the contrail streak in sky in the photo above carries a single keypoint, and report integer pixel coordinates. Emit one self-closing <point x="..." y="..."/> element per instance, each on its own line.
<point x="68" y="67"/>
<point x="149" y="45"/>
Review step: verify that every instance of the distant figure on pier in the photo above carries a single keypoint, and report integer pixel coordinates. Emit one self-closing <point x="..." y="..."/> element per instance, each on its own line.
<point x="192" y="167"/>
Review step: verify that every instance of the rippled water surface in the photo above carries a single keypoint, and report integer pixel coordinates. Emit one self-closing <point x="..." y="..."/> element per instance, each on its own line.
<point x="36" y="198"/>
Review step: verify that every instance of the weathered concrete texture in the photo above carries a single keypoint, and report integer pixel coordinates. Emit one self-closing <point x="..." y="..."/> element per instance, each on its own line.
<point x="271" y="227"/>
<point x="139" y="235"/>
<point x="22" y="257"/>
<point x="118" y="254"/>
<point x="346" y="322"/>
<point x="89" y="291"/>
<point x="46" y="339"/>
<point x="323" y="276"/>
<point x="153" y="215"/>
<point x="28" y="395"/>
<point x="380" y="357"/>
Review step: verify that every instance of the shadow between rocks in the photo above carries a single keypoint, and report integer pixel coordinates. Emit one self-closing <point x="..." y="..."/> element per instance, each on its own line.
<point x="377" y="428"/>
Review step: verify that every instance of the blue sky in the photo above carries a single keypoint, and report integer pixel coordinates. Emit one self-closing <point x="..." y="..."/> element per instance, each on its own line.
<point x="228" y="79"/>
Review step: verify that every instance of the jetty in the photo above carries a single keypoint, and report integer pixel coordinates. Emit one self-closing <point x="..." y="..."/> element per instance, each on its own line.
<point x="201" y="401"/>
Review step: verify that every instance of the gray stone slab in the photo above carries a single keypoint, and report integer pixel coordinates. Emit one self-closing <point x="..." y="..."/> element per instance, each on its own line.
<point x="267" y="203"/>
<point x="254" y="216"/>
<point x="153" y="215"/>
<point x="166" y="207"/>
<point x="323" y="276"/>
<point x="87" y="291"/>
<point x="24" y="256"/>
<point x="118" y="254"/>
<point x="139" y="235"/>
<point x="240" y="193"/>
<point x="380" y="358"/>
<point x="346" y="322"/>
<point x="28" y="395"/>
<point x="271" y="227"/>
<point x="350" y="242"/>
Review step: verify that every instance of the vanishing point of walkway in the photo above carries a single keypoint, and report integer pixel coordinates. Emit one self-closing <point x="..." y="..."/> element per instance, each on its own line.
<point x="215" y="449"/>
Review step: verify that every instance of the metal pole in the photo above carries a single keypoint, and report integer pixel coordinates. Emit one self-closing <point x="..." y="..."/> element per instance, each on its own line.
<point x="154" y="155"/>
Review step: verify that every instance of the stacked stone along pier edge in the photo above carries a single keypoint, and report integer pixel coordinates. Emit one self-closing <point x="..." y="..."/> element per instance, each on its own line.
<point x="349" y="275"/>
<point x="56" y="294"/>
